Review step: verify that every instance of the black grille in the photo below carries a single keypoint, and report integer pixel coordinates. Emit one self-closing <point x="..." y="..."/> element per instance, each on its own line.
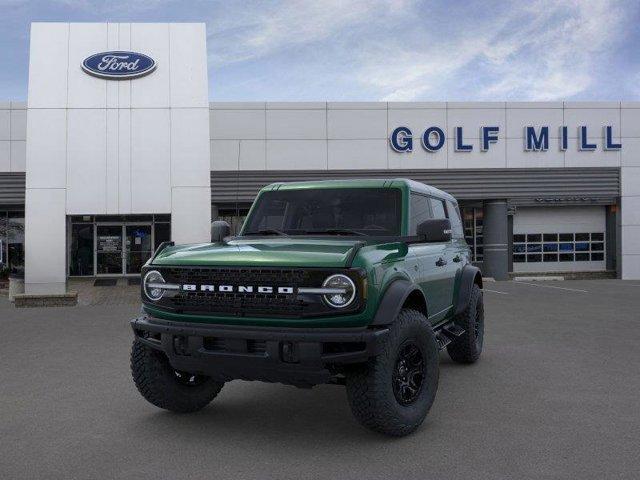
<point x="247" y="304"/>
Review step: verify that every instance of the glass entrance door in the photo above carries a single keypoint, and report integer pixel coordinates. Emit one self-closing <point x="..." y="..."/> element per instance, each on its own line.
<point x="109" y="259"/>
<point x="138" y="247"/>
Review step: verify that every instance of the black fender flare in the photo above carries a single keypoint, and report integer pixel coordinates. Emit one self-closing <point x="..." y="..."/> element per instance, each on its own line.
<point x="468" y="277"/>
<point x="393" y="299"/>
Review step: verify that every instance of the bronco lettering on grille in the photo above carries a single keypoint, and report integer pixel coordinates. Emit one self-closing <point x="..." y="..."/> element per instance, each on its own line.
<point x="190" y="287"/>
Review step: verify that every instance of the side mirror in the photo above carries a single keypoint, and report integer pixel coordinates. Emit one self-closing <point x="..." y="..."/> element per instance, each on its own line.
<point x="219" y="230"/>
<point x="435" y="230"/>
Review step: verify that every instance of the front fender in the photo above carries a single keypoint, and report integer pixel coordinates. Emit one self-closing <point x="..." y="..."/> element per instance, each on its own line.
<point x="393" y="299"/>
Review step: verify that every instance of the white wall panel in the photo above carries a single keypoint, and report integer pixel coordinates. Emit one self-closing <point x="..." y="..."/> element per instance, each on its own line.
<point x="112" y="162"/>
<point x="190" y="165"/>
<point x="18" y="124"/>
<point x="253" y="155"/>
<point x="471" y="119"/>
<point x="124" y="161"/>
<point x="18" y="156"/>
<point x="631" y="239"/>
<point x="357" y="154"/>
<point x="152" y="91"/>
<point x="518" y="118"/>
<point x="296" y="154"/>
<point x="630" y="120"/>
<point x="47" y="148"/>
<point x="495" y="157"/>
<point x="86" y="91"/>
<point x="224" y="154"/>
<point x="418" y="158"/>
<point x="5" y="124"/>
<point x="630" y="153"/>
<point x="150" y="161"/>
<point x="48" y="62"/>
<point x="45" y="241"/>
<point x="5" y="156"/>
<point x="356" y="124"/>
<point x="418" y="120"/>
<point x="86" y="161"/>
<point x="191" y="215"/>
<point x="598" y="158"/>
<point x="630" y="267"/>
<point x="517" y="157"/>
<point x="630" y="211"/>
<point x="296" y="124"/>
<point x="630" y="181"/>
<point x="124" y="86"/>
<point x="188" y="53"/>
<point x="237" y="124"/>
<point x="113" y="43"/>
<point x="592" y="118"/>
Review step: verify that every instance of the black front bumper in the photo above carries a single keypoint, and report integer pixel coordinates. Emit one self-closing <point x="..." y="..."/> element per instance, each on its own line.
<point x="296" y="356"/>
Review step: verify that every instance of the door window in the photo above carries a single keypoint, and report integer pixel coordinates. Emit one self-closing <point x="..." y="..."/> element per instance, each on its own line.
<point x="437" y="206"/>
<point x="419" y="212"/>
<point x="456" y="222"/>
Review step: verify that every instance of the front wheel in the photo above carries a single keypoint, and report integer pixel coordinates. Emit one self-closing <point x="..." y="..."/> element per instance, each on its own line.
<point x="168" y="388"/>
<point x="393" y="392"/>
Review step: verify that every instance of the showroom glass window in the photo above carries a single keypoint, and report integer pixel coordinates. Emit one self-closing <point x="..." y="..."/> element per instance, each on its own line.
<point x="558" y="247"/>
<point x="12" y="239"/>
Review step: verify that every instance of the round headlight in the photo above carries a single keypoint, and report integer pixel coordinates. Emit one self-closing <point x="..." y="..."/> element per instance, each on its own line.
<point x="345" y="291"/>
<point x="151" y="283"/>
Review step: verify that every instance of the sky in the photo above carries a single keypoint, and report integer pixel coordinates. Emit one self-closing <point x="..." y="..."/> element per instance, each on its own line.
<point x="377" y="50"/>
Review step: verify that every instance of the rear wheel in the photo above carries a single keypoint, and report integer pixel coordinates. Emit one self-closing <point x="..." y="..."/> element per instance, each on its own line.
<point x="168" y="388"/>
<point x="393" y="392"/>
<point x="468" y="346"/>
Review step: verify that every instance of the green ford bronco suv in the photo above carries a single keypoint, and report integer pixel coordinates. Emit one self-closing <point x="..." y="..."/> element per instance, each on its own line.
<point x="357" y="283"/>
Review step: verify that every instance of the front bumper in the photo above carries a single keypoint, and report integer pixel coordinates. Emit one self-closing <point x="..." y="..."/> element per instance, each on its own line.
<point x="296" y="356"/>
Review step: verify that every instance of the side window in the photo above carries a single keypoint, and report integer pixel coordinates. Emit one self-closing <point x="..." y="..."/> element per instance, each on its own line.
<point x="419" y="212"/>
<point x="456" y="221"/>
<point x="437" y="206"/>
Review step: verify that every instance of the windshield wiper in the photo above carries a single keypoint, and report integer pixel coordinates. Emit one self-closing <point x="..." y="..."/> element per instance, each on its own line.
<point x="268" y="231"/>
<point x="337" y="231"/>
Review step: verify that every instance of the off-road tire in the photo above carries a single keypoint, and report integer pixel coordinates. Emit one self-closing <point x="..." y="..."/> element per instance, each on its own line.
<point x="159" y="384"/>
<point x="370" y="387"/>
<point x="468" y="346"/>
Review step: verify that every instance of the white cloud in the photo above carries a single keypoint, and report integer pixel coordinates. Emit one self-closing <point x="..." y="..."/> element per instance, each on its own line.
<point x="546" y="51"/>
<point x="243" y="34"/>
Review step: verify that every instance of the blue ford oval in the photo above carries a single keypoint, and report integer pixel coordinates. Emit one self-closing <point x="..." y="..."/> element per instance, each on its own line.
<point x="118" y="65"/>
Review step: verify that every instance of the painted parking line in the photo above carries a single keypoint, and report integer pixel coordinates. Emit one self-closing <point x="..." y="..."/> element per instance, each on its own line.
<point x="552" y="286"/>
<point x="494" y="291"/>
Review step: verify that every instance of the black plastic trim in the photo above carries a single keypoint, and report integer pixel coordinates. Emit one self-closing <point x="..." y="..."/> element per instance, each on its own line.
<point x="467" y="279"/>
<point x="393" y="300"/>
<point x="313" y="355"/>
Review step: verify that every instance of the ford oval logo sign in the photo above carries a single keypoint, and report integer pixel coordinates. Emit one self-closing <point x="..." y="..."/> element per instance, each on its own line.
<point x="118" y="65"/>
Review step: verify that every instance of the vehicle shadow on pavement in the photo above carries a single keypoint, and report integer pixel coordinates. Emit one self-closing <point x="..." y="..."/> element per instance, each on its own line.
<point x="271" y="412"/>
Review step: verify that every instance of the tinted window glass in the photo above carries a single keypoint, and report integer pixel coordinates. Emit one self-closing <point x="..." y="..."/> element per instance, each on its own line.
<point x="456" y="221"/>
<point x="371" y="211"/>
<point x="420" y="212"/>
<point x="437" y="206"/>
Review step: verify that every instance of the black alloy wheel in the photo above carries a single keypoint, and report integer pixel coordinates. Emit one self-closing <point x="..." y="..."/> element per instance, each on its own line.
<point x="408" y="374"/>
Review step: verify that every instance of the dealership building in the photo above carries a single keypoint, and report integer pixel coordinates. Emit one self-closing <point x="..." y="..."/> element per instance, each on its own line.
<point x="118" y="148"/>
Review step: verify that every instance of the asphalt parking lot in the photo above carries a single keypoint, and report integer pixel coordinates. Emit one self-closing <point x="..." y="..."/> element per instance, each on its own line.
<point x="555" y="395"/>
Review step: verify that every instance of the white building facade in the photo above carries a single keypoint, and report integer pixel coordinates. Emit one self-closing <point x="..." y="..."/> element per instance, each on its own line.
<point x="95" y="172"/>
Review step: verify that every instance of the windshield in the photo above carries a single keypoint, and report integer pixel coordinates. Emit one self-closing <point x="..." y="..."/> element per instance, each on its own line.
<point x="327" y="211"/>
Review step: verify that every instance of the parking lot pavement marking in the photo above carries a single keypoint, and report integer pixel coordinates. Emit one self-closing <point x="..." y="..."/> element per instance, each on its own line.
<point x="494" y="291"/>
<point x="551" y="286"/>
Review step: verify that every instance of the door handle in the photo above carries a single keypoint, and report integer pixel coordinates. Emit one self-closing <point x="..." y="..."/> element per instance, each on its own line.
<point x="441" y="262"/>
<point x="457" y="258"/>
